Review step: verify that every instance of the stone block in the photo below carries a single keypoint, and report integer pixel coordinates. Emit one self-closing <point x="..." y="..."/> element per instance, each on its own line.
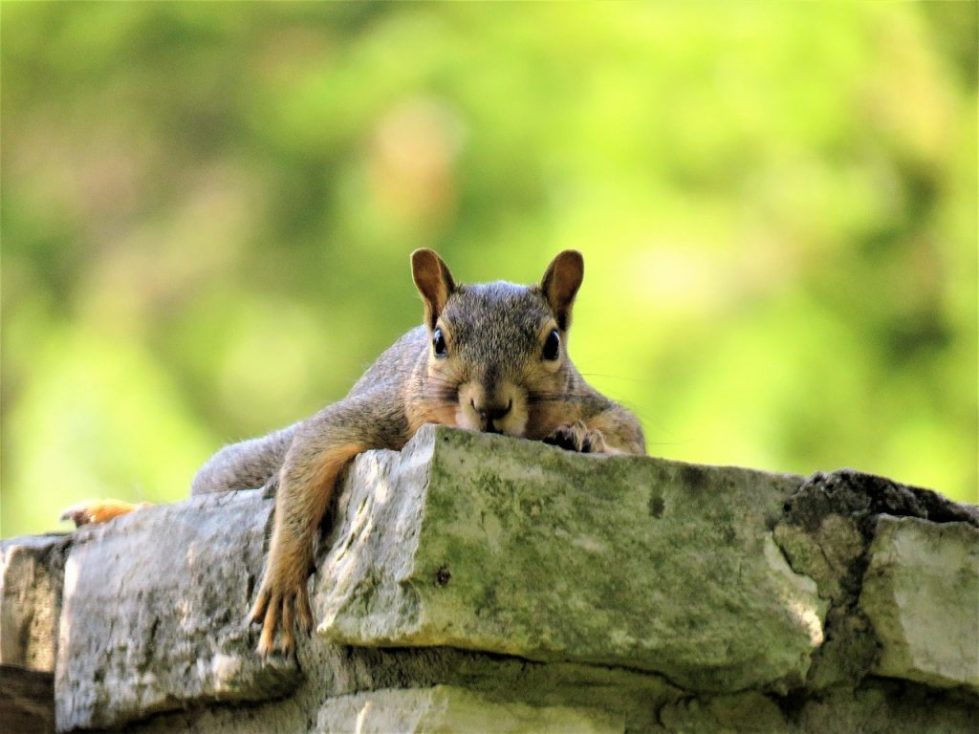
<point x="489" y="543"/>
<point x="31" y="572"/>
<point x="481" y="583"/>
<point x="921" y="594"/>
<point x="153" y="613"/>
<point x="452" y="709"/>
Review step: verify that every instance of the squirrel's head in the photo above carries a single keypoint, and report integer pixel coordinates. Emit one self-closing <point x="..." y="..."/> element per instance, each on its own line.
<point x="497" y="353"/>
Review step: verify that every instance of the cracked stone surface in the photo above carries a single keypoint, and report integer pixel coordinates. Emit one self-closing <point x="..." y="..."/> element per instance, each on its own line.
<point x="31" y="574"/>
<point x="476" y="582"/>
<point x="921" y="594"/>
<point x="451" y="709"/>
<point x="632" y="561"/>
<point x="827" y="532"/>
<point x="153" y="612"/>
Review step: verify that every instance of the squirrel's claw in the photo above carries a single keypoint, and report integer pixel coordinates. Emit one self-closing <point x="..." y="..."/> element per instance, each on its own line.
<point x="305" y="613"/>
<point x="565" y="438"/>
<point x="266" y="643"/>
<point x="257" y="612"/>
<point x="280" y="612"/>
<point x="578" y="437"/>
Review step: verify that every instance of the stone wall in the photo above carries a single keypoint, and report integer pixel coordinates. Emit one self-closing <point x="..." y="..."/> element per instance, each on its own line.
<point x="479" y="583"/>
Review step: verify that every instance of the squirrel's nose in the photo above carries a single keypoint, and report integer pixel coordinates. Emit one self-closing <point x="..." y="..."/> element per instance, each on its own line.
<point x="489" y="413"/>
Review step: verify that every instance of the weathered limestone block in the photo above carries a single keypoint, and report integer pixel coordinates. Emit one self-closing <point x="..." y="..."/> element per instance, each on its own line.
<point x="486" y="543"/>
<point x="826" y="553"/>
<point x="921" y="593"/>
<point x="31" y="572"/>
<point x="336" y="673"/>
<point x="154" y="608"/>
<point x="452" y="709"/>
<point x="476" y="582"/>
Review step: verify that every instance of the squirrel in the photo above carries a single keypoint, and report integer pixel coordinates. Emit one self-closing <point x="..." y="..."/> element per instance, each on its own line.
<point x="489" y="357"/>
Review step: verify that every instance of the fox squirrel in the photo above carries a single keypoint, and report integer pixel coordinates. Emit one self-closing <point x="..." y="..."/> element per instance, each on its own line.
<point x="489" y="357"/>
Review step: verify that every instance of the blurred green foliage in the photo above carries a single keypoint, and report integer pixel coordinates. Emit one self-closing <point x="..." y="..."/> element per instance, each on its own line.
<point x="207" y="210"/>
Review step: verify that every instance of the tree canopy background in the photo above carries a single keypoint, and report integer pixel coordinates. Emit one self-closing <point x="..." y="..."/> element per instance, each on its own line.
<point x="207" y="210"/>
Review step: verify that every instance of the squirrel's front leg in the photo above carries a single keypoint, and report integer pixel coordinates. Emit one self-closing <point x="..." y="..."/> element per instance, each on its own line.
<point x="306" y="483"/>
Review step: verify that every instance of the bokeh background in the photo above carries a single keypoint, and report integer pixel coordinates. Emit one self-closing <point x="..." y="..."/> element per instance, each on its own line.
<point x="207" y="210"/>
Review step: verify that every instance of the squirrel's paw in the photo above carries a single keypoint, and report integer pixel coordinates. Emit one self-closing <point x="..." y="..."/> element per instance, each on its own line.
<point x="578" y="437"/>
<point x="93" y="512"/>
<point x="280" y="607"/>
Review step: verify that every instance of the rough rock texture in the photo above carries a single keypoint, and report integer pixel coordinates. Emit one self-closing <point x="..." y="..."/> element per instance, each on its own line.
<point x="629" y="700"/>
<point x="31" y="579"/>
<point x="440" y="543"/>
<point x="479" y="583"/>
<point x="153" y="612"/>
<point x="922" y="583"/>
<point x="828" y="533"/>
<point x="31" y="575"/>
<point x="445" y="708"/>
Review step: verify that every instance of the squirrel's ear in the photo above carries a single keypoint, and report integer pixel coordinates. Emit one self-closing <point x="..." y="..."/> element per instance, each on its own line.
<point x="434" y="282"/>
<point x="560" y="284"/>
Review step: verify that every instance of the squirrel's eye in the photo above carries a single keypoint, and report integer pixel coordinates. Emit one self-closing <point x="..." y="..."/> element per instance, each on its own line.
<point x="438" y="343"/>
<point x="552" y="346"/>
